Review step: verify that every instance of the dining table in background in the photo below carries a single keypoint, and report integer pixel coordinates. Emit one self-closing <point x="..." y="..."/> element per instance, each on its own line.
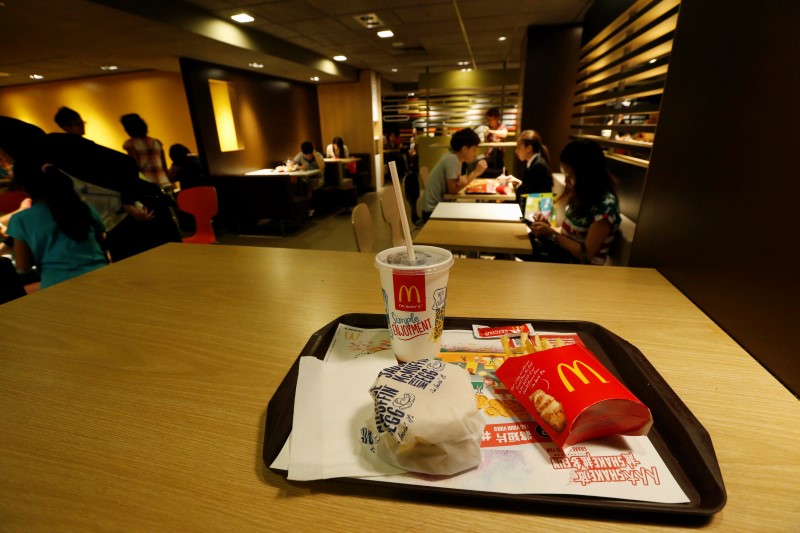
<point x="134" y="397"/>
<point x="340" y="165"/>
<point x="483" y="212"/>
<point x="475" y="237"/>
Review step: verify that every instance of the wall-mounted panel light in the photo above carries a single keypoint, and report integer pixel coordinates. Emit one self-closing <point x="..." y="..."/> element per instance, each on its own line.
<point x="224" y="104"/>
<point x="340" y="58"/>
<point x="242" y="17"/>
<point x="385" y="34"/>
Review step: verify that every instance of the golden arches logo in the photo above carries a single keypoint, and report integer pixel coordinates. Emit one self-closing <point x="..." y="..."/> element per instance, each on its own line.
<point x="352" y="335"/>
<point x="408" y="291"/>
<point x="577" y="372"/>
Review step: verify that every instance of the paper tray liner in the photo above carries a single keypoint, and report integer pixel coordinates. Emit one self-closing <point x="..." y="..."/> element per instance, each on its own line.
<point x="677" y="435"/>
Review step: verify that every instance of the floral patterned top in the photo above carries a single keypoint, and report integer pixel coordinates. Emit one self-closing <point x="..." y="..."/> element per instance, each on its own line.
<point x="577" y="228"/>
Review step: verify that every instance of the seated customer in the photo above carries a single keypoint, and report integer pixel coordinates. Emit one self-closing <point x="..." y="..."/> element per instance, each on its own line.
<point x="537" y="176"/>
<point x="186" y="168"/>
<point x="337" y="149"/>
<point x="592" y="216"/>
<point x="445" y="178"/>
<point x="310" y="159"/>
<point x="59" y="233"/>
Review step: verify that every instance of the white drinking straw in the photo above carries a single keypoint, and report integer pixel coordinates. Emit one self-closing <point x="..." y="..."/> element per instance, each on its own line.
<point x="401" y="207"/>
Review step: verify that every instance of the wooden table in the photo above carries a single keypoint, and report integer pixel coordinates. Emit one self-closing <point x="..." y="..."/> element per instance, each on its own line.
<point x="474" y="236"/>
<point x="477" y="212"/>
<point x="133" y="397"/>
<point x="294" y="173"/>
<point x="340" y="164"/>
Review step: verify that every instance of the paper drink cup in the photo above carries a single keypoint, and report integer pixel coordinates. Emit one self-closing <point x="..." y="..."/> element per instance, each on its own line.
<point x="414" y="297"/>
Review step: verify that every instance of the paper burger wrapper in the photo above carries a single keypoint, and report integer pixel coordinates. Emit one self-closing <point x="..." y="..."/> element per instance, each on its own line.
<point x="426" y="418"/>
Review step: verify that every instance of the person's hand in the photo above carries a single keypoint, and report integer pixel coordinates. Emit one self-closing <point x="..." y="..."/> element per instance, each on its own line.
<point x="480" y="168"/>
<point x="540" y="217"/>
<point x="139" y="212"/>
<point x="541" y="229"/>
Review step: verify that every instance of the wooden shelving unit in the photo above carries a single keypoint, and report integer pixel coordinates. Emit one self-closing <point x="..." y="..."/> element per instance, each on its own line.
<point x="621" y="77"/>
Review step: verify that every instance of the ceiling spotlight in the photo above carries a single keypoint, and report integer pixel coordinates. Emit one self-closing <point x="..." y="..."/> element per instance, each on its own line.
<point x="394" y="70"/>
<point x="466" y="70"/>
<point x="462" y="63"/>
<point x="242" y="17"/>
<point x="385" y="34"/>
<point x="256" y="65"/>
<point x="410" y="94"/>
<point x="653" y="60"/>
<point x="314" y="78"/>
<point x="36" y="77"/>
<point x="340" y="58"/>
<point x="109" y="67"/>
<point x="502" y="38"/>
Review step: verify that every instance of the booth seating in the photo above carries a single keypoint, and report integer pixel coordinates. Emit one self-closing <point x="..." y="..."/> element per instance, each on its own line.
<point x="245" y="200"/>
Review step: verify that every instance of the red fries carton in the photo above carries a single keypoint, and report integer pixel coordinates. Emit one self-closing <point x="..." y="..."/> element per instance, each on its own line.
<point x="573" y="396"/>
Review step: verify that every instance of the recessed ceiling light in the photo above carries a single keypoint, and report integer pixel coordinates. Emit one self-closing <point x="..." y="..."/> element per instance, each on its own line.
<point x="109" y="67"/>
<point x="398" y="44"/>
<point x="314" y="78"/>
<point x="340" y="58"/>
<point x="410" y="94"/>
<point x="502" y="38"/>
<point x="653" y="60"/>
<point x="36" y="77"/>
<point x="256" y="65"/>
<point x="466" y="70"/>
<point x="394" y="70"/>
<point x="242" y="17"/>
<point x="385" y="34"/>
<point x="462" y="63"/>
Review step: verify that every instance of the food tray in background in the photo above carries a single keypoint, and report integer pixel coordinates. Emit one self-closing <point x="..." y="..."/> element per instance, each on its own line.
<point x="677" y="435"/>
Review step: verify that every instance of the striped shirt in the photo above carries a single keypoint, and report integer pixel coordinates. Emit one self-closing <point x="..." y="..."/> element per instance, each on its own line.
<point x="148" y="155"/>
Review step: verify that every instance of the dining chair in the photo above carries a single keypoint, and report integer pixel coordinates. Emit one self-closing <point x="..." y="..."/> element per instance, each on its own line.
<point x="362" y="228"/>
<point x="423" y="175"/>
<point x="392" y="213"/>
<point x="201" y="203"/>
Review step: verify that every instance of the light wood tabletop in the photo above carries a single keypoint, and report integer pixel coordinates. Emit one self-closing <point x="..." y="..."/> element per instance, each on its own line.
<point x="475" y="236"/>
<point x="134" y="397"/>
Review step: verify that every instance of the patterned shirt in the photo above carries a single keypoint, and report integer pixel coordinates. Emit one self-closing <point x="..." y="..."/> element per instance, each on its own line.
<point x="147" y="152"/>
<point x="577" y="228"/>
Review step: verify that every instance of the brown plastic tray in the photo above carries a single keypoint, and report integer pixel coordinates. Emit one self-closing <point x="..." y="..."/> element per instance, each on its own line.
<point x="680" y="439"/>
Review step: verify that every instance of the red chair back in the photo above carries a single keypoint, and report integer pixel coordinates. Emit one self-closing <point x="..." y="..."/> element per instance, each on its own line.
<point x="200" y="202"/>
<point x="10" y="200"/>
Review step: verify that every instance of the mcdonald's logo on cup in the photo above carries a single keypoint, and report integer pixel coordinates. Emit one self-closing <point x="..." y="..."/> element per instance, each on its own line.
<point x="351" y="335"/>
<point x="409" y="291"/>
<point x="577" y="372"/>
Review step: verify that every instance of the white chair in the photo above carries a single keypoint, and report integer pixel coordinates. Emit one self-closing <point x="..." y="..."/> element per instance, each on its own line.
<point x="362" y="228"/>
<point x="620" y="252"/>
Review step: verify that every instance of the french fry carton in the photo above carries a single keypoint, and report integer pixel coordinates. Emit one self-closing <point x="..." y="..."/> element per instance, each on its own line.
<point x="573" y="396"/>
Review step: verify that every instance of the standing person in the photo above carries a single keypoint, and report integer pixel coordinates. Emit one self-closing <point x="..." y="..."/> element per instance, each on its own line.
<point x="537" y="176"/>
<point x="445" y="178"/>
<point x="58" y="233"/>
<point x="497" y="132"/>
<point x="70" y="121"/>
<point x="592" y="215"/>
<point x="337" y="149"/>
<point x="147" y="151"/>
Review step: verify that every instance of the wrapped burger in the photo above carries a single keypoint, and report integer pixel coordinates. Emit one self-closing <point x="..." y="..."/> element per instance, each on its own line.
<point x="426" y="418"/>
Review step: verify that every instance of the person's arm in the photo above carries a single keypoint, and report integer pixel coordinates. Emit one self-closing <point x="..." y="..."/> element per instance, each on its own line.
<point x="319" y="159"/>
<point x="23" y="257"/>
<point x="599" y="230"/>
<point x="5" y="219"/>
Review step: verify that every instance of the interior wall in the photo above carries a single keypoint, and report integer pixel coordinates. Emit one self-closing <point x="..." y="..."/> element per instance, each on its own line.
<point x="549" y="73"/>
<point x="157" y="96"/>
<point x="345" y="110"/>
<point x="274" y="116"/>
<point x="716" y="220"/>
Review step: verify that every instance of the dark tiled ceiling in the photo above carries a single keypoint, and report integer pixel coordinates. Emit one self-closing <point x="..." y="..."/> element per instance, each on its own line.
<point x="63" y="39"/>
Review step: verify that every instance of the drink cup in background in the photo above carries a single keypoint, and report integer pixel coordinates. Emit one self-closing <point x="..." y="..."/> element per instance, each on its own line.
<point x="414" y="297"/>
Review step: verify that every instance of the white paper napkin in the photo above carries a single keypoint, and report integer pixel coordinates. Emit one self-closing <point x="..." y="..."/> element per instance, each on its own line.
<point x="331" y="405"/>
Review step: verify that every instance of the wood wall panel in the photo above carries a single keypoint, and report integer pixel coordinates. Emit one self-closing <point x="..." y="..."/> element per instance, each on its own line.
<point x="345" y="110"/>
<point x="719" y="211"/>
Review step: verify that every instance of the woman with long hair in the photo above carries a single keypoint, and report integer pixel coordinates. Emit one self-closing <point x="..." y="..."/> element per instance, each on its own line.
<point x="592" y="215"/>
<point x="337" y="149"/>
<point x="536" y="177"/>
<point x="58" y="233"/>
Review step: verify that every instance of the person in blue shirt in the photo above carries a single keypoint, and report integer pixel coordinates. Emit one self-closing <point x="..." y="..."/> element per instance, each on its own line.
<point x="58" y="233"/>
